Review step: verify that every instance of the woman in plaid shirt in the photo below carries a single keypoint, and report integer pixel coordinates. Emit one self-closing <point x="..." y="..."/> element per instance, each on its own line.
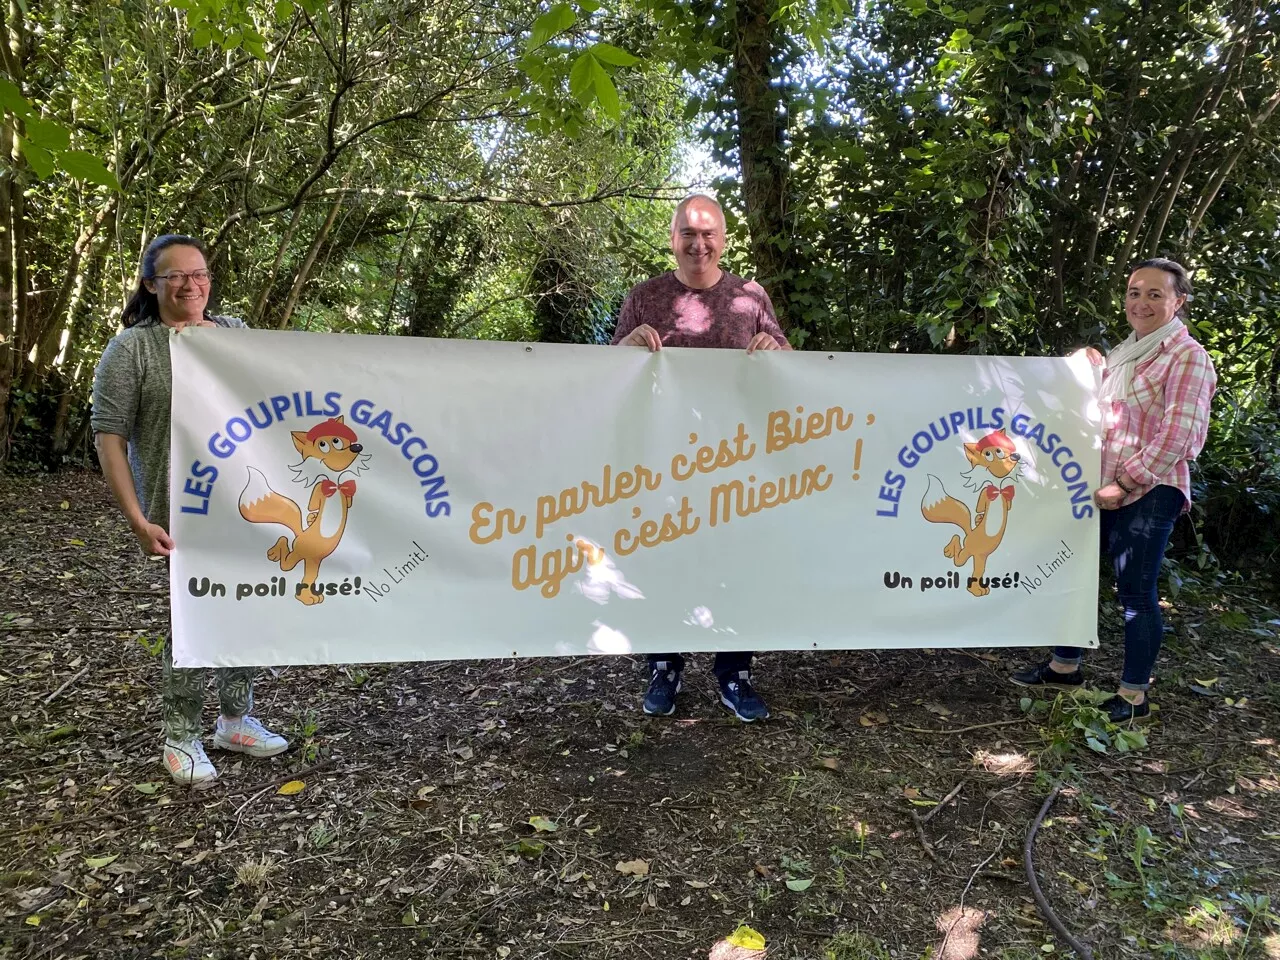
<point x="1155" y="397"/>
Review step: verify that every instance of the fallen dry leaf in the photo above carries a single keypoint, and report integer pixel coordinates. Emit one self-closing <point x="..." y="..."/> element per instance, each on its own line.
<point x="633" y="868"/>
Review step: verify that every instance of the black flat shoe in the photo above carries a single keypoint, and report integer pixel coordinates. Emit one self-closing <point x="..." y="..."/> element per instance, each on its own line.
<point x="1042" y="675"/>
<point x="1120" y="710"/>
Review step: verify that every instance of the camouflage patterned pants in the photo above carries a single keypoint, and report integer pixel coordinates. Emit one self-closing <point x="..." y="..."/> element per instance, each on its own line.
<point x="183" y="695"/>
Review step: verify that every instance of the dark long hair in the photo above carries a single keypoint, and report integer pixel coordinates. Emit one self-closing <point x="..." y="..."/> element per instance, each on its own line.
<point x="1181" y="281"/>
<point x="144" y="304"/>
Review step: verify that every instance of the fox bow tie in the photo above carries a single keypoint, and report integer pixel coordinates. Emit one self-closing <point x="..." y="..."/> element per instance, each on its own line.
<point x="329" y="488"/>
<point x="994" y="493"/>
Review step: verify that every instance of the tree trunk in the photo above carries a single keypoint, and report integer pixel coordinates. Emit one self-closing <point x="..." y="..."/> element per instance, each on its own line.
<point x="395" y="283"/>
<point x="304" y="271"/>
<point x="260" y="304"/>
<point x="8" y="331"/>
<point x="1224" y="171"/>
<point x="1113" y="164"/>
<point x="761" y="149"/>
<point x="1140" y="215"/>
<point x="1179" y="176"/>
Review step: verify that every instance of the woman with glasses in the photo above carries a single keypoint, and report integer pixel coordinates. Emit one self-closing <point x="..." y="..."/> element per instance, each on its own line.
<point x="131" y="396"/>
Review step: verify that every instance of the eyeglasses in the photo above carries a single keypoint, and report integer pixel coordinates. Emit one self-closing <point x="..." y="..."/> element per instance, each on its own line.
<point x="179" y="277"/>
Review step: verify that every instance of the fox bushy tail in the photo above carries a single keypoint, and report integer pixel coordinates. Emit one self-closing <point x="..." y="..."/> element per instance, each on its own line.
<point x="260" y="504"/>
<point x="940" y="507"/>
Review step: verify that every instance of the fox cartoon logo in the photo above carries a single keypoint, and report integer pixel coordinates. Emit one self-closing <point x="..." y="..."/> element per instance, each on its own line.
<point x="992" y="460"/>
<point x="331" y="460"/>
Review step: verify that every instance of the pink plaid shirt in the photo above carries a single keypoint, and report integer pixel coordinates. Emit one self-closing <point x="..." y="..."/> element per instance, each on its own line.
<point x="1155" y="436"/>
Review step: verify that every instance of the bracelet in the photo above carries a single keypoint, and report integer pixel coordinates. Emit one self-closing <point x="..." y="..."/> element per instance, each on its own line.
<point x="1120" y="484"/>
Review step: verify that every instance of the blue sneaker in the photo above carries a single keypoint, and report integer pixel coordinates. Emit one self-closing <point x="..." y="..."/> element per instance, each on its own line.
<point x="664" y="684"/>
<point x="740" y="697"/>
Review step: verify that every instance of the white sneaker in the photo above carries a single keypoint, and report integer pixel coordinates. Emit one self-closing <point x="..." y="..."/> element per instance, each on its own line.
<point x="187" y="764"/>
<point x="247" y="735"/>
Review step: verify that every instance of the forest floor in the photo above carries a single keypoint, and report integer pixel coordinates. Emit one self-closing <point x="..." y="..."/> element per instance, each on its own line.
<point x="528" y="808"/>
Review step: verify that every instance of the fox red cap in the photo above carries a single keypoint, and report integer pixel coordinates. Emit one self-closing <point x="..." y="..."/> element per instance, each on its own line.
<point x="997" y="439"/>
<point x="331" y="428"/>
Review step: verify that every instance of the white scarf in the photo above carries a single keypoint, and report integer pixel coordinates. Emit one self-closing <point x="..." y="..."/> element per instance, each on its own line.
<point x="1123" y="361"/>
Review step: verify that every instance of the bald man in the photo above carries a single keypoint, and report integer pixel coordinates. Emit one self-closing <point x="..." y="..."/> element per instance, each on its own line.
<point x="700" y="305"/>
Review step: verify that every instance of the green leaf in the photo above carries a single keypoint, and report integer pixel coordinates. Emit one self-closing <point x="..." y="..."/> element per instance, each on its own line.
<point x="97" y="863"/>
<point x="580" y="78"/>
<point x="530" y="849"/>
<point x="85" y="166"/>
<point x="556" y="20"/>
<point x="47" y="133"/>
<point x="912" y="153"/>
<point x="799" y="886"/>
<point x="283" y="9"/>
<point x="543" y="825"/>
<point x="977" y="14"/>
<point x="606" y="92"/>
<point x="11" y="98"/>
<point x="148" y="788"/>
<point x="39" y="159"/>
<point x="608" y="53"/>
<point x="745" y="938"/>
<point x="588" y="6"/>
<point x="200" y="37"/>
<point x="990" y="298"/>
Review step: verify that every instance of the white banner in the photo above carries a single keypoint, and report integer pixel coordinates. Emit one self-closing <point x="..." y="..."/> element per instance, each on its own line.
<point x="341" y="499"/>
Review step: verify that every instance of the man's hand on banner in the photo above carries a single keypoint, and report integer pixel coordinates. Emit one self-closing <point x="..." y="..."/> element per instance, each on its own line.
<point x="154" y="540"/>
<point x="644" y="336"/>
<point x="762" y="341"/>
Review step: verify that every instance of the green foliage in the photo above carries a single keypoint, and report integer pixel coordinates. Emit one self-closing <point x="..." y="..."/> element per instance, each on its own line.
<point x="447" y="144"/>
<point x="46" y="144"/>
<point x="1073" y="720"/>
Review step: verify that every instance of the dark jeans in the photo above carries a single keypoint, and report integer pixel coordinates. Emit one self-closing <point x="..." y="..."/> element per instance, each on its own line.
<point x="1135" y="537"/>
<point x="727" y="666"/>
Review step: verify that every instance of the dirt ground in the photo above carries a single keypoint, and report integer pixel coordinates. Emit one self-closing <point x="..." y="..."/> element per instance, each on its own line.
<point x="881" y="813"/>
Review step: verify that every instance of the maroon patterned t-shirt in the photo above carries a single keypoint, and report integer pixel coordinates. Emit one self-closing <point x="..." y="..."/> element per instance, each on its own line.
<point x="726" y="315"/>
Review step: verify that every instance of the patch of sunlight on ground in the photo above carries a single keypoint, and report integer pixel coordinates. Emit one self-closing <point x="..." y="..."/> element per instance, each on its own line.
<point x="1005" y="764"/>
<point x="959" y="927"/>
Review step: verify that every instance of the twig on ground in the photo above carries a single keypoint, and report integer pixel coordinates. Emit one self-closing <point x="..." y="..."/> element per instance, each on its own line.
<point x="54" y="696"/>
<point x="1036" y="892"/>
<point x="945" y="800"/>
<point x="924" y="841"/>
<point x="976" y="726"/>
